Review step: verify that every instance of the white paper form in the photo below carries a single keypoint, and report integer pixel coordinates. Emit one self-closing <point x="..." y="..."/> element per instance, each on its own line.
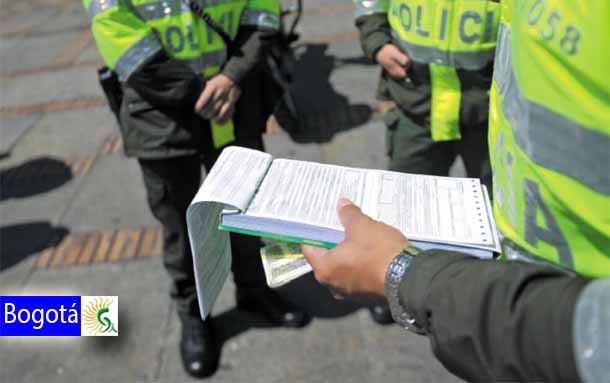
<point x="231" y="185"/>
<point x="307" y="192"/>
<point x="429" y="208"/>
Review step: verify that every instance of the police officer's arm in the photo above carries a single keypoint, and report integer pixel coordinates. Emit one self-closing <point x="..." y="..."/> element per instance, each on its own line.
<point x="486" y="320"/>
<point x="375" y="36"/>
<point x="259" y="22"/>
<point x="250" y="46"/>
<point x="129" y="47"/>
<point x="490" y="320"/>
<point x="372" y="22"/>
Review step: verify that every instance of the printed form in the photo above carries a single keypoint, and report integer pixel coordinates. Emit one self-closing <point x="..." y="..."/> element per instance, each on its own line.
<point x="427" y="208"/>
<point x="230" y="185"/>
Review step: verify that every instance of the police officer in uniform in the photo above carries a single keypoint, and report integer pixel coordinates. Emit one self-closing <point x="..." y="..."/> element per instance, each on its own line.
<point x="437" y="60"/>
<point x="544" y="315"/>
<point x="186" y="96"/>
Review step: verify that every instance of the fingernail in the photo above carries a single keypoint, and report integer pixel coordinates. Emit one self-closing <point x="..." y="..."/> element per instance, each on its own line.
<point x="343" y="202"/>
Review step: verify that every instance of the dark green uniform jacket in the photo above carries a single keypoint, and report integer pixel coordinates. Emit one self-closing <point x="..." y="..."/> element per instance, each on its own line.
<point x="495" y="321"/>
<point x="157" y="114"/>
<point x="412" y="94"/>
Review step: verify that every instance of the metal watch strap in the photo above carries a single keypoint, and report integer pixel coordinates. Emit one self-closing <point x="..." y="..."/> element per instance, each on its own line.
<point x="393" y="278"/>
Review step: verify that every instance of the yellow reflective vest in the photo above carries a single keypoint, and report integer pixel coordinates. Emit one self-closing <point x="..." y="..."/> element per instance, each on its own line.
<point x="130" y="32"/>
<point x="549" y="133"/>
<point x="447" y="35"/>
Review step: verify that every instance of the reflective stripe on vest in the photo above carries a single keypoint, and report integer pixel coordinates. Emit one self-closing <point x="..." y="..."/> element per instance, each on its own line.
<point x="141" y="27"/>
<point x="445" y="103"/>
<point x="460" y="34"/>
<point x="550" y="149"/>
<point x="164" y="8"/>
<point x="369" y="7"/>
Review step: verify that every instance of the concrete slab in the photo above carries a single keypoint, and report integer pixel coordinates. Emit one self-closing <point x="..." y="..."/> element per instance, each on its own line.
<point x="89" y="54"/>
<point x="66" y="134"/>
<point x="35" y="52"/>
<point x="13" y="279"/>
<point x="112" y="195"/>
<point x="362" y="147"/>
<point x="11" y="130"/>
<point x="339" y="345"/>
<point x="27" y="20"/>
<point x="357" y="82"/>
<point x="144" y="306"/>
<point x="334" y="19"/>
<point x="70" y="84"/>
<point x="281" y="146"/>
<point x="72" y="18"/>
<point x="36" y="194"/>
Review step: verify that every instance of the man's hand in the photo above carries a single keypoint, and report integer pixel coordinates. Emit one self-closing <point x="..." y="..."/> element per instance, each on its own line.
<point x="393" y="60"/>
<point x="358" y="264"/>
<point x="217" y="101"/>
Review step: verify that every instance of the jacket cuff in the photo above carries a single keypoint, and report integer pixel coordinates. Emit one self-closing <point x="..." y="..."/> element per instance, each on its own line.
<point x="416" y="282"/>
<point x="250" y="46"/>
<point x="374" y="33"/>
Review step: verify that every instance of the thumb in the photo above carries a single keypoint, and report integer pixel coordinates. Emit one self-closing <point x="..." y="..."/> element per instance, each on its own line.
<point x="348" y="213"/>
<point x="313" y="255"/>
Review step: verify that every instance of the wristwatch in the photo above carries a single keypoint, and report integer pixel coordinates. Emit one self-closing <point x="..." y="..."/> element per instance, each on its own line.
<point x="394" y="275"/>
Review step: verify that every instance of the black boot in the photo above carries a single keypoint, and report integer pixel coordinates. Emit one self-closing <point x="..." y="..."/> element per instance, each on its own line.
<point x="198" y="348"/>
<point x="269" y="303"/>
<point x="381" y="314"/>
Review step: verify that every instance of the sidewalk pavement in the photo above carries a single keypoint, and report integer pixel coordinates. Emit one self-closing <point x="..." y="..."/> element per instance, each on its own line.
<point x="74" y="219"/>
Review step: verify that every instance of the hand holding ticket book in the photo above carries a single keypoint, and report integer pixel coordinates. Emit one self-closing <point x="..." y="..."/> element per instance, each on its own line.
<point x="250" y="192"/>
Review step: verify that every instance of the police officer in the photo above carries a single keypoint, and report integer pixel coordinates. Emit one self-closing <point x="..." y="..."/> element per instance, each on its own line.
<point x="547" y="318"/>
<point x="437" y="60"/>
<point x="186" y="96"/>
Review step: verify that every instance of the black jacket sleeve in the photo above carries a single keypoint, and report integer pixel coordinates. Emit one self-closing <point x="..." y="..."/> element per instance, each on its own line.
<point x="167" y="83"/>
<point x="495" y="321"/>
<point x="374" y="33"/>
<point x="248" y="49"/>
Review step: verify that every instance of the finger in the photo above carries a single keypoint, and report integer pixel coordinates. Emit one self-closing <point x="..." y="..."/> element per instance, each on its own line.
<point x="212" y="109"/>
<point x="204" y="98"/>
<point x="397" y="70"/>
<point x="218" y="104"/>
<point x="349" y="214"/>
<point x="314" y="256"/>
<point x="234" y="94"/>
<point x="225" y="113"/>
<point x="400" y="58"/>
<point x="207" y="111"/>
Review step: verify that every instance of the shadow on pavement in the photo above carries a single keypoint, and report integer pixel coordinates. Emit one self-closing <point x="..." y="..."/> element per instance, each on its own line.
<point x="322" y="111"/>
<point x="32" y="177"/>
<point x="18" y="242"/>
<point x="305" y="292"/>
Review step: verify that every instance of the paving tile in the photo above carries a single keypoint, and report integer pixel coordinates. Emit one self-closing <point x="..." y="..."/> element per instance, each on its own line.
<point x="132" y="356"/>
<point x="64" y="135"/>
<point x="115" y="183"/>
<point x="51" y="86"/>
<point x="11" y="130"/>
<point x="35" y="52"/>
